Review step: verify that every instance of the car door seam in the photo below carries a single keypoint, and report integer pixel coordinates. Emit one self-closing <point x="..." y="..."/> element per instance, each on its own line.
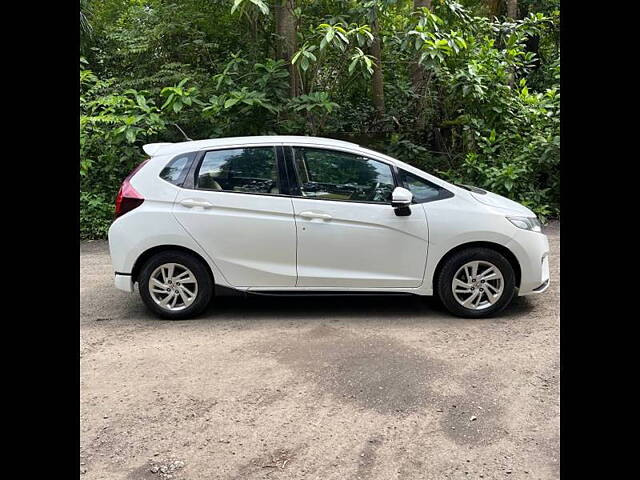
<point x="295" y="221"/>
<point x="204" y="250"/>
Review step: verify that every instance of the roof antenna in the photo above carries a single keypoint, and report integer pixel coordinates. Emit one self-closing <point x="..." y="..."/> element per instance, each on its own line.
<point x="182" y="131"/>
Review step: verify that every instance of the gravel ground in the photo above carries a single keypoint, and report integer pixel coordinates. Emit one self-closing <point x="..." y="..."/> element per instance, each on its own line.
<point x="318" y="388"/>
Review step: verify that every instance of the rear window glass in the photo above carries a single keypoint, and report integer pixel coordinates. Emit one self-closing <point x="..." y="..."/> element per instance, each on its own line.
<point x="176" y="170"/>
<point x="242" y="170"/>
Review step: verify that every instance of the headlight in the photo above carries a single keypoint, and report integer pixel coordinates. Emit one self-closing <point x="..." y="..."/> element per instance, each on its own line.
<point x="526" y="223"/>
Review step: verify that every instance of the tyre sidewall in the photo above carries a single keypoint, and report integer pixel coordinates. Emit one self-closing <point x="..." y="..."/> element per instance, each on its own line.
<point x="205" y="284"/>
<point x="445" y="290"/>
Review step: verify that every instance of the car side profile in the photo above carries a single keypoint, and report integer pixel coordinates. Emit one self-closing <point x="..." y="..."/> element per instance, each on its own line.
<point x="294" y="214"/>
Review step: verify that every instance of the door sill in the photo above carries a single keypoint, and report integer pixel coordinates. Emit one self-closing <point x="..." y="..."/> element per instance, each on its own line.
<point x="228" y="291"/>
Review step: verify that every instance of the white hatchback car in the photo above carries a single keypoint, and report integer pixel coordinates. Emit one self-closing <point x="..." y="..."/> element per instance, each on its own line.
<point x="286" y="214"/>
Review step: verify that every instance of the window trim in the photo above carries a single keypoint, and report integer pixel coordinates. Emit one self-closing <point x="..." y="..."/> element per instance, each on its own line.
<point x="443" y="195"/>
<point x="296" y="184"/>
<point x="191" y="182"/>
<point x="294" y="187"/>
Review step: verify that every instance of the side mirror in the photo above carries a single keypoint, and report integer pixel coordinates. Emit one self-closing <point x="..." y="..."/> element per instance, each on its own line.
<point x="401" y="200"/>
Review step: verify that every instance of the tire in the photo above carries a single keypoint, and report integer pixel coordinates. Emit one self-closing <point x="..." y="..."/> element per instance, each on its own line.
<point x="459" y="265"/>
<point x="159" y="265"/>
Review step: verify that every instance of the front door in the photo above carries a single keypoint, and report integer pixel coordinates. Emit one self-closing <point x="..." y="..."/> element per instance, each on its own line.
<point x="348" y="233"/>
<point x="237" y="214"/>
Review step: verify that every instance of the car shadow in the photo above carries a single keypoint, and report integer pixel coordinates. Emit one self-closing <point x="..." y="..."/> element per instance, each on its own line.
<point x="382" y="306"/>
<point x="407" y="309"/>
<point x="410" y="308"/>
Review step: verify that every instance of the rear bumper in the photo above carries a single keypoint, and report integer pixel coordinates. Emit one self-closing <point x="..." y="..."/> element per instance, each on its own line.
<point x="123" y="282"/>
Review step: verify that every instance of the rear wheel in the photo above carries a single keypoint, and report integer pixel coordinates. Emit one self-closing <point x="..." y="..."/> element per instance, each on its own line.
<point x="475" y="283"/>
<point x="175" y="285"/>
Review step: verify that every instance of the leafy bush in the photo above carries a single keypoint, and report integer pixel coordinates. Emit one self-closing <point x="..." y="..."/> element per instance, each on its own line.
<point x="510" y="135"/>
<point x="485" y="112"/>
<point x="96" y="215"/>
<point x="112" y="125"/>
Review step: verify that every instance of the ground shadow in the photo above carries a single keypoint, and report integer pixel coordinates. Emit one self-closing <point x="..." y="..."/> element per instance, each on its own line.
<point x="409" y="309"/>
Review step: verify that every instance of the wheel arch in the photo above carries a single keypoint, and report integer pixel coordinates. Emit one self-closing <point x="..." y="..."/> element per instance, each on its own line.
<point x="501" y="249"/>
<point x="147" y="254"/>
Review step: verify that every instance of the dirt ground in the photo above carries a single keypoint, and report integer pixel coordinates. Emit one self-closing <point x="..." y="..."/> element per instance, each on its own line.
<point x="316" y="388"/>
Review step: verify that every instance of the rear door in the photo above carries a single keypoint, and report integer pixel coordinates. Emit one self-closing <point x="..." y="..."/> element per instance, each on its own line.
<point x="348" y="232"/>
<point x="239" y="214"/>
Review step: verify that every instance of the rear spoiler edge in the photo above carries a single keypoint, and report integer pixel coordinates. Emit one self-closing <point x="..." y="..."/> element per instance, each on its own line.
<point x="152" y="149"/>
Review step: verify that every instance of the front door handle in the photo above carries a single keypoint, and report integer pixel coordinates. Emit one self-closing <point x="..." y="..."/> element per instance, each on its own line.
<point x="311" y="215"/>
<point x="195" y="203"/>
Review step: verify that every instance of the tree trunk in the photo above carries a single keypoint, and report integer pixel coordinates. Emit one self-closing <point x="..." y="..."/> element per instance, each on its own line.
<point x="419" y="76"/>
<point x="494" y="8"/>
<point x="286" y="28"/>
<point x="253" y="26"/>
<point x="377" y="85"/>
<point x="512" y="13"/>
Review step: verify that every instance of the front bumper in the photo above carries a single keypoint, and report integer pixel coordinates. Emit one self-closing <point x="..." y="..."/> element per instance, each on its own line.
<point x="545" y="275"/>
<point x="532" y="251"/>
<point x="541" y="288"/>
<point x="123" y="282"/>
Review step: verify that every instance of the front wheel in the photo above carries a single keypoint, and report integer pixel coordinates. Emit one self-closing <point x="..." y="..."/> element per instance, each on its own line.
<point x="476" y="282"/>
<point x="175" y="285"/>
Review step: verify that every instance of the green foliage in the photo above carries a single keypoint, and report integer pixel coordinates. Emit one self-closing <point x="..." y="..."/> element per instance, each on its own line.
<point x="510" y="136"/>
<point x="96" y="215"/>
<point x="317" y="102"/>
<point x="305" y="56"/>
<point x="242" y="4"/>
<point x="486" y="113"/>
<point x="179" y="97"/>
<point x="365" y="62"/>
<point x="318" y="107"/>
<point x="113" y="125"/>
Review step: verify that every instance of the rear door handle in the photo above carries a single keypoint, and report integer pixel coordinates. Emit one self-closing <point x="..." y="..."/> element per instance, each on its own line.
<point x="311" y="215"/>
<point x="195" y="203"/>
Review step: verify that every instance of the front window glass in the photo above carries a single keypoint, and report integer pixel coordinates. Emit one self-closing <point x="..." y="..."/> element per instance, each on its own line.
<point x="249" y="170"/>
<point x="333" y="175"/>
<point x="423" y="190"/>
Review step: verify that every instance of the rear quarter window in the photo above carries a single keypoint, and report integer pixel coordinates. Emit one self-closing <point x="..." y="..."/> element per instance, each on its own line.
<point x="176" y="170"/>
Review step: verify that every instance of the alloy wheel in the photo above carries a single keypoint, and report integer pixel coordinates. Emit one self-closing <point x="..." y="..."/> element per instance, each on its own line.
<point x="173" y="286"/>
<point x="477" y="285"/>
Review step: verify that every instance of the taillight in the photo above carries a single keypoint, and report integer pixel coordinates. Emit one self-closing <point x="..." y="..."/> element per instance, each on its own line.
<point x="128" y="198"/>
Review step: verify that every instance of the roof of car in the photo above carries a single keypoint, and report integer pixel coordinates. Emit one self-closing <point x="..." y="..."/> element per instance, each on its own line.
<point x="162" y="149"/>
<point x="154" y="149"/>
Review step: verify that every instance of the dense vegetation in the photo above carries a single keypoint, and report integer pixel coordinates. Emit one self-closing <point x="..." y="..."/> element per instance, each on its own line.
<point x="468" y="91"/>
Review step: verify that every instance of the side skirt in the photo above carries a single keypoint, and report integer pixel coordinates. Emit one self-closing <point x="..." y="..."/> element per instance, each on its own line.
<point x="232" y="292"/>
